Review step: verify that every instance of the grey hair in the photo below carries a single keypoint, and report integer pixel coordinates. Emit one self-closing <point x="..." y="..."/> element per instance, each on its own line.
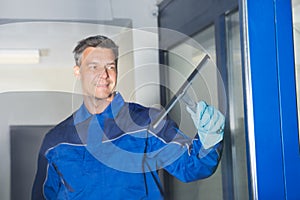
<point x="95" y="41"/>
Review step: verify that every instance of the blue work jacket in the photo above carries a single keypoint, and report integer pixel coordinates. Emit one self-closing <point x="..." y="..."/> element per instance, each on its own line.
<point x="117" y="155"/>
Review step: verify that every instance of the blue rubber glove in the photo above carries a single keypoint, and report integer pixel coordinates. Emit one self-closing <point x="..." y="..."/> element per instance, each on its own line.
<point x="209" y="122"/>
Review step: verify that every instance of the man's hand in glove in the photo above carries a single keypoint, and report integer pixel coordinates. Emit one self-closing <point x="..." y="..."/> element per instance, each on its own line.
<point x="209" y="122"/>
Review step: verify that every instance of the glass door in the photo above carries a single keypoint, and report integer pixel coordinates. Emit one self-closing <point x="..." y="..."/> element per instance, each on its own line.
<point x="219" y="35"/>
<point x="221" y="185"/>
<point x="181" y="61"/>
<point x="236" y="107"/>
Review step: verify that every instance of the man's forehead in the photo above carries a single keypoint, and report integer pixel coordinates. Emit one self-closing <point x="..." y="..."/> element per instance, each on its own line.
<point x="89" y="50"/>
<point x="98" y="55"/>
<point x="100" y="51"/>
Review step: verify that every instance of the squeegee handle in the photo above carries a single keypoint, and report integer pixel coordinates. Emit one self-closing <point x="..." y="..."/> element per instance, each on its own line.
<point x="180" y="92"/>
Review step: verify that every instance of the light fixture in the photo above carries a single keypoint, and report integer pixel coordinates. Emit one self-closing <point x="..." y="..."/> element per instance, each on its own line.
<point x="19" y="56"/>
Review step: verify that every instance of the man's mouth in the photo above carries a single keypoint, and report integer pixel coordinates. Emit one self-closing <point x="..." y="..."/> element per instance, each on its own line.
<point x="102" y="85"/>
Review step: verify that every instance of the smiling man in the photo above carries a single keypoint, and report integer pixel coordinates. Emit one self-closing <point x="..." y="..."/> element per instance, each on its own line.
<point x="96" y="67"/>
<point x="108" y="149"/>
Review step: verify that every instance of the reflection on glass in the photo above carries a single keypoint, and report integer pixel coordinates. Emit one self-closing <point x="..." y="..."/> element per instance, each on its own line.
<point x="182" y="60"/>
<point x="296" y="28"/>
<point x="236" y="111"/>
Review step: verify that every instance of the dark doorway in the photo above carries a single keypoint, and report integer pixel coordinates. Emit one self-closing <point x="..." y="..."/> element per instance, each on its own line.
<point x="25" y="144"/>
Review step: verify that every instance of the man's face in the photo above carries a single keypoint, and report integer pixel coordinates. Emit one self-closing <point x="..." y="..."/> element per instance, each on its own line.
<point x="98" y="73"/>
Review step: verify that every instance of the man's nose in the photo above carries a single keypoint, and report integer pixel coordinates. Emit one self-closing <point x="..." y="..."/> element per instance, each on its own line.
<point x="103" y="73"/>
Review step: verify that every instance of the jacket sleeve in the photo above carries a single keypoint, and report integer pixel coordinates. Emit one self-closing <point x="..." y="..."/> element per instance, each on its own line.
<point x="37" y="189"/>
<point x="46" y="179"/>
<point x="52" y="183"/>
<point x="196" y="163"/>
<point x="190" y="161"/>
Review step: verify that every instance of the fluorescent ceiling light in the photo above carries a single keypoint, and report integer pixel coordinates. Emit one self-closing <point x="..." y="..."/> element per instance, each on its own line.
<point x="19" y="56"/>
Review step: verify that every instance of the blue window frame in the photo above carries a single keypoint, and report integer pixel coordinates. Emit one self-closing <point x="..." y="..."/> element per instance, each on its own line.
<point x="271" y="99"/>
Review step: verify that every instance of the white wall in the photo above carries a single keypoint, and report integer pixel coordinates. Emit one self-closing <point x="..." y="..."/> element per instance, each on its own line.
<point x="54" y="73"/>
<point x="141" y="13"/>
<point x="144" y="38"/>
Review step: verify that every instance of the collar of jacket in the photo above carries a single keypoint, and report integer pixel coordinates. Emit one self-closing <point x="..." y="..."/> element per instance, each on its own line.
<point x="111" y="111"/>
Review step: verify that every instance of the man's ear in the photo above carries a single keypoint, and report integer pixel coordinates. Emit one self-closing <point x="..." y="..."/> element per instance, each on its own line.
<point x="76" y="70"/>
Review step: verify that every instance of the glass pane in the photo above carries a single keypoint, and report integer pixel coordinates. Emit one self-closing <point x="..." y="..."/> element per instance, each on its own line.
<point x="182" y="60"/>
<point x="236" y="111"/>
<point x="296" y="24"/>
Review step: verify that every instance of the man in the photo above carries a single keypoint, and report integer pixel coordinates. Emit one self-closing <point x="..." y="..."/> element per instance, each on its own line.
<point x="108" y="149"/>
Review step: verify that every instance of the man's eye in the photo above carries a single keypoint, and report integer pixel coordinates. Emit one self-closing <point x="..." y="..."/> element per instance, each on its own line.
<point x="111" y="67"/>
<point x="93" y="67"/>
